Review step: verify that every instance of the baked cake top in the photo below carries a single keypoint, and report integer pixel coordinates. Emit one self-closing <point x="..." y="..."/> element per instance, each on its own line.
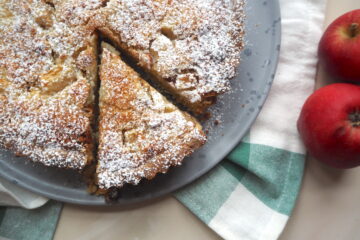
<point x="47" y="72"/>
<point x="48" y="68"/>
<point x="191" y="46"/>
<point x="140" y="132"/>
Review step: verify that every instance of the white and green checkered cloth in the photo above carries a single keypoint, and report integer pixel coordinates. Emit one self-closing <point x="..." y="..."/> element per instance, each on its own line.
<point x="251" y="194"/>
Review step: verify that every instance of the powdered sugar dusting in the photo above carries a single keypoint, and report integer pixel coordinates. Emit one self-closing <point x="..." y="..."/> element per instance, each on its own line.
<point x="141" y="133"/>
<point x="23" y="53"/>
<point x="53" y="130"/>
<point x="45" y="99"/>
<point x="136" y="21"/>
<point x="193" y="45"/>
<point x="46" y="84"/>
<point x="75" y="12"/>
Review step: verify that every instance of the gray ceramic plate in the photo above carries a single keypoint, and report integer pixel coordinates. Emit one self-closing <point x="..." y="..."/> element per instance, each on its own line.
<point x="236" y="111"/>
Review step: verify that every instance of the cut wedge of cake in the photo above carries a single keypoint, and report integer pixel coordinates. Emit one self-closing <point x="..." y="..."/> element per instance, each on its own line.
<point x="140" y="132"/>
<point x="191" y="47"/>
<point x="48" y="70"/>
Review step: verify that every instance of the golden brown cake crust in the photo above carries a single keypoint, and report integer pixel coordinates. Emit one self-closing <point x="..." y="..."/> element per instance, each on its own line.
<point x="47" y="74"/>
<point x="140" y="132"/>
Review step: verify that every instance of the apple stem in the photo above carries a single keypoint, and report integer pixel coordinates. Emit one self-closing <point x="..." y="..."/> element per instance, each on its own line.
<point x="354" y="29"/>
<point x="354" y="118"/>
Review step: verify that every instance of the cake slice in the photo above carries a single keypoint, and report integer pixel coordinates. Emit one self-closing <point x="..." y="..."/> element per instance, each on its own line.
<point x="191" y="47"/>
<point x="48" y="70"/>
<point x="140" y="132"/>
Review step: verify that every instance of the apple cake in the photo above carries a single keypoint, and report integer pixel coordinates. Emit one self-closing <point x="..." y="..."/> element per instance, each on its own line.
<point x="140" y="132"/>
<point x="191" y="47"/>
<point x="49" y="81"/>
<point x="47" y="76"/>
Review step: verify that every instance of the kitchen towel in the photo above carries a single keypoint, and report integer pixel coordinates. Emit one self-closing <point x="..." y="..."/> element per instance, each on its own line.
<point x="12" y="195"/>
<point x="24" y="224"/>
<point x="251" y="194"/>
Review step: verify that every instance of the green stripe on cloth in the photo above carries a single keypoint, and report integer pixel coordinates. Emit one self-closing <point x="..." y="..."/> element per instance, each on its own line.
<point x="37" y="224"/>
<point x="273" y="175"/>
<point x="240" y="160"/>
<point x="2" y="214"/>
<point x="206" y="195"/>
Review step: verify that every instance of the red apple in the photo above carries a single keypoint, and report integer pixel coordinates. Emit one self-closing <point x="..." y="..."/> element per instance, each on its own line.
<point x="339" y="47"/>
<point x="329" y="125"/>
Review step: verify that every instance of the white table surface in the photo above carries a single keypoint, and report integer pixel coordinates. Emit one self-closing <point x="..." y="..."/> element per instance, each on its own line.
<point x="328" y="206"/>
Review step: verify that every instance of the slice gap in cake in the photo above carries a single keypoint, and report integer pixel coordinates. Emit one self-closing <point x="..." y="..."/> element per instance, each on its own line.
<point x="141" y="133"/>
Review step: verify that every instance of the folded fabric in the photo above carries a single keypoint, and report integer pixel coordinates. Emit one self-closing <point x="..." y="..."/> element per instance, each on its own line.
<point x="34" y="220"/>
<point x="251" y="194"/>
<point x="24" y="224"/>
<point x="12" y="195"/>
